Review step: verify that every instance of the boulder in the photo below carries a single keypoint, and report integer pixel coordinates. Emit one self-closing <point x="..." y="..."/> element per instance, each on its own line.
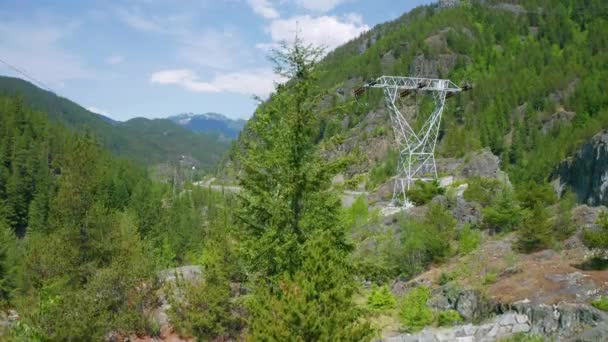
<point x="466" y="212"/>
<point x="433" y="67"/>
<point x="170" y="278"/>
<point x="186" y="273"/>
<point x="482" y="164"/>
<point x="559" y="118"/>
<point x="470" y="304"/>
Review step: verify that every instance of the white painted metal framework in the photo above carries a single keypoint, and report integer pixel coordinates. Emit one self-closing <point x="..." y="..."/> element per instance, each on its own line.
<point x="416" y="149"/>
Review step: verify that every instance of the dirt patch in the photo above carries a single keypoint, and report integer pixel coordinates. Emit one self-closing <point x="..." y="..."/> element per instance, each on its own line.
<point x="551" y="279"/>
<point x="546" y="277"/>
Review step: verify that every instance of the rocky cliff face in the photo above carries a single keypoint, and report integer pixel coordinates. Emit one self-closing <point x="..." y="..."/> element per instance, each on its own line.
<point x="586" y="173"/>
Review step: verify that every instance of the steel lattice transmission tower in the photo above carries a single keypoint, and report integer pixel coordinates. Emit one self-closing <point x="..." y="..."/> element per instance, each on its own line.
<point x="416" y="148"/>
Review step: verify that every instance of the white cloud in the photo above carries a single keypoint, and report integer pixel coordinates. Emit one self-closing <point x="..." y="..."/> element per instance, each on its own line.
<point x="115" y="59"/>
<point x="263" y="8"/>
<point x="319" y="5"/>
<point x="254" y="82"/>
<point x="218" y="49"/>
<point x="36" y="47"/>
<point x="326" y="31"/>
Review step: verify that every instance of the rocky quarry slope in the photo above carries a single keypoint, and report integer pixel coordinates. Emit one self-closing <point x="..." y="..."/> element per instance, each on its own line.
<point x="499" y="292"/>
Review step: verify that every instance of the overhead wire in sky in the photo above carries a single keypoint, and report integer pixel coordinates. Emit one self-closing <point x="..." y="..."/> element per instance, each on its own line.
<point x="26" y="75"/>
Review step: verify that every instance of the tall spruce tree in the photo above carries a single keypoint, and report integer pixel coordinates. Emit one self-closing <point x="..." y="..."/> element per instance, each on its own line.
<point x="295" y="240"/>
<point x="286" y="182"/>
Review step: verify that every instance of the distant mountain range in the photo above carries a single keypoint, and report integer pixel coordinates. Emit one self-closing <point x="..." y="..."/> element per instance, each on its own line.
<point x="210" y="123"/>
<point x="146" y="141"/>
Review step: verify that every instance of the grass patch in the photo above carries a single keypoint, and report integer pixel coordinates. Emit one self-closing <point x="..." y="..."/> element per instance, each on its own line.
<point x="490" y="278"/>
<point x="601" y="303"/>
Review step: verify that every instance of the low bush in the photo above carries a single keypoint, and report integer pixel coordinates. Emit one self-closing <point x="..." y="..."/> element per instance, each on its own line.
<point x="414" y="313"/>
<point x="382" y="172"/>
<point x="423" y="192"/>
<point x="448" y="318"/>
<point x="504" y="214"/>
<point x="598" y="238"/>
<point x="426" y="241"/>
<point x="532" y="194"/>
<point x="468" y="239"/>
<point x="563" y="225"/>
<point x="358" y="214"/>
<point x="482" y="190"/>
<point x="381" y="298"/>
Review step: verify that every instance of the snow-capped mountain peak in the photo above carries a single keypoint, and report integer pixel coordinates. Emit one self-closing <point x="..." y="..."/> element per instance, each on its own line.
<point x="209" y="122"/>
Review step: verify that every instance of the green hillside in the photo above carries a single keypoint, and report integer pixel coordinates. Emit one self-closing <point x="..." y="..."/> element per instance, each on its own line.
<point x="80" y="229"/>
<point x="528" y="61"/>
<point x="92" y="248"/>
<point x="146" y="141"/>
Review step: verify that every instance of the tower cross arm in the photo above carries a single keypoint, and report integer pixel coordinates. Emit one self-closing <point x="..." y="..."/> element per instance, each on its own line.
<point x="414" y="83"/>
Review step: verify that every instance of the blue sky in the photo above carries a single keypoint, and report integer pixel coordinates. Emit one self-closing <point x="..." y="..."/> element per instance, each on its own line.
<point x="154" y="58"/>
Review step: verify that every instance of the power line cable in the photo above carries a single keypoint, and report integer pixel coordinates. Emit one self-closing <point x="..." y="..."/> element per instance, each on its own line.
<point x="26" y="75"/>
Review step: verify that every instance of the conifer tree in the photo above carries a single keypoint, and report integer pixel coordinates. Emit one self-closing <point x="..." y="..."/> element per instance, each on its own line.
<point x="285" y="197"/>
<point x="536" y="232"/>
<point x="295" y="240"/>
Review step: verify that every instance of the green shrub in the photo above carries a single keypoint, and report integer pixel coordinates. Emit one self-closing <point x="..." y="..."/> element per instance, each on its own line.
<point x="483" y="190"/>
<point x="448" y="318"/>
<point x="414" y="313"/>
<point x="427" y="241"/>
<point x="598" y="238"/>
<point x="21" y="331"/>
<point x="381" y="298"/>
<point x="354" y="182"/>
<point x="563" y="225"/>
<point x="535" y="233"/>
<point x="423" y="192"/>
<point x="490" y="278"/>
<point x="382" y="172"/>
<point x="358" y="214"/>
<point x="601" y="303"/>
<point x="468" y="239"/>
<point x="504" y="214"/>
<point x="532" y="194"/>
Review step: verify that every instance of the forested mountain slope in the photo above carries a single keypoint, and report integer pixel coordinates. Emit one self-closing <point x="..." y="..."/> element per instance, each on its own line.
<point x="538" y="70"/>
<point x="143" y="140"/>
<point x="83" y="232"/>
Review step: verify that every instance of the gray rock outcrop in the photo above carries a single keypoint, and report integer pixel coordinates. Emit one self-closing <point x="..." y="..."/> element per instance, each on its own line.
<point x="170" y="278"/>
<point x="586" y="173"/>
<point x="563" y="322"/>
